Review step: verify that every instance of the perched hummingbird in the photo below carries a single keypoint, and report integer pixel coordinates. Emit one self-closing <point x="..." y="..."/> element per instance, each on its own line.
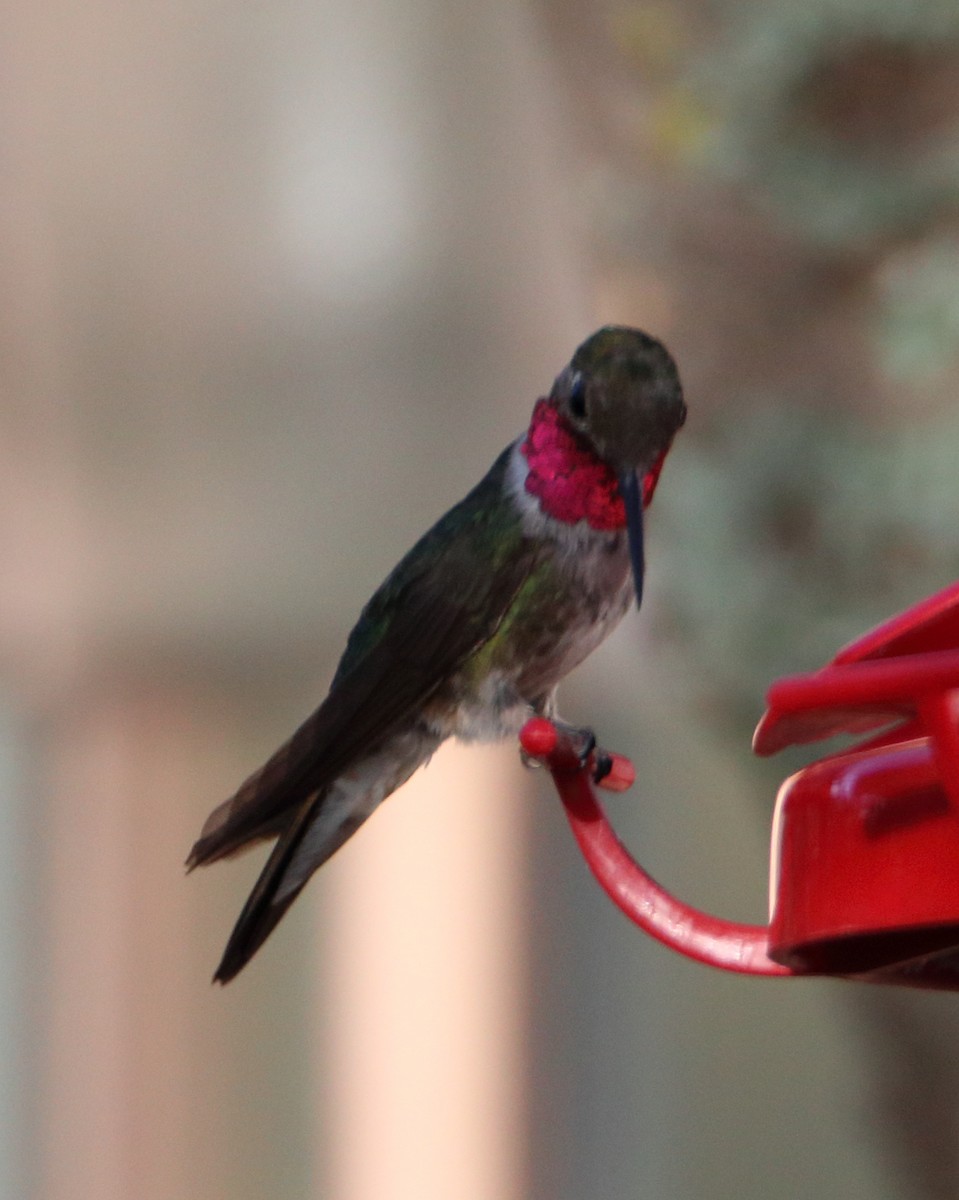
<point x="472" y="631"/>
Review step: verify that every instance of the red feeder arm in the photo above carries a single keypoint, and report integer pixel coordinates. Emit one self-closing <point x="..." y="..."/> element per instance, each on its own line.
<point x="865" y="843"/>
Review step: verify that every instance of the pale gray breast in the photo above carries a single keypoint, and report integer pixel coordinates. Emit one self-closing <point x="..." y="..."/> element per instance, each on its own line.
<point x="597" y="594"/>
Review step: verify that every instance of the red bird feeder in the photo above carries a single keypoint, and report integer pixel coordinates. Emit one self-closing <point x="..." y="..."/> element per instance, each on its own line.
<point x="865" y="842"/>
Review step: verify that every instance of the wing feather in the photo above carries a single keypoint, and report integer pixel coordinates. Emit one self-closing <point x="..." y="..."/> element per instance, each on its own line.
<point x="443" y="601"/>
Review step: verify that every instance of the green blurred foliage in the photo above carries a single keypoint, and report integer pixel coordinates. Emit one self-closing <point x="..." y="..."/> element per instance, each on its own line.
<point x="814" y="149"/>
<point x="787" y="533"/>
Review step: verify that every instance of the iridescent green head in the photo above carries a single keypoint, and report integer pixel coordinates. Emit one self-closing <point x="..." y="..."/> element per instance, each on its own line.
<point x="621" y="391"/>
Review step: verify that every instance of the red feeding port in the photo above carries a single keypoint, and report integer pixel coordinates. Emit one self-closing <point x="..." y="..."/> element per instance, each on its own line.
<point x="865" y="843"/>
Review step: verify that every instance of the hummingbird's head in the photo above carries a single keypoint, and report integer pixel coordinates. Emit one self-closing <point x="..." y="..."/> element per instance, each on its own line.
<point x="621" y="394"/>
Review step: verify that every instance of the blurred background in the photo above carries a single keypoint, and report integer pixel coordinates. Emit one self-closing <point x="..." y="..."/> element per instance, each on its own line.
<point x="278" y="282"/>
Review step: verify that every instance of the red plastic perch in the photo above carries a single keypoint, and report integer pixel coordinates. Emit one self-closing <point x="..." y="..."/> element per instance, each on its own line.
<point x="708" y="939"/>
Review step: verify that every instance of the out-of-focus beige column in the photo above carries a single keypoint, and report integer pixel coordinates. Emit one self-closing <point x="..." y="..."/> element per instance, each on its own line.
<point x="425" y="1074"/>
<point x="421" y="1064"/>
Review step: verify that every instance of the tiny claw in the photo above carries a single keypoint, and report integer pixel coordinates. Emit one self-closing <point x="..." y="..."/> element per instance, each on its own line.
<point x="602" y="765"/>
<point x="619" y="774"/>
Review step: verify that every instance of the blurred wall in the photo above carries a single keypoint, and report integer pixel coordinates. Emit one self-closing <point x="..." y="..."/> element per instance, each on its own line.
<point x="278" y="282"/>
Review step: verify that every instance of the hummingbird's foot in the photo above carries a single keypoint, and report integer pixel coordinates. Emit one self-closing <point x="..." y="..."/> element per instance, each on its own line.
<point x="582" y="742"/>
<point x="594" y="758"/>
<point x="541" y="736"/>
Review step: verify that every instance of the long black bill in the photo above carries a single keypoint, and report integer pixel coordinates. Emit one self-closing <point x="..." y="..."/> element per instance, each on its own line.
<point x="631" y="490"/>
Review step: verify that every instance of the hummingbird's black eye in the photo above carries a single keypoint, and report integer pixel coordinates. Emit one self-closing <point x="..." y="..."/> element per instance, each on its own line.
<point x="577" y="398"/>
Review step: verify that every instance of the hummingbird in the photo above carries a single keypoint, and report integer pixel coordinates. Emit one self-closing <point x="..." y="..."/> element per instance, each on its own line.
<point x="472" y="631"/>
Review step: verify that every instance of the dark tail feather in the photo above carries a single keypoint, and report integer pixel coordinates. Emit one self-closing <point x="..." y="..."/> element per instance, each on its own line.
<point x="249" y="934"/>
<point x="244" y="943"/>
<point x="263" y="911"/>
<point x="266" y="803"/>
<point x="222" y="842"/>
